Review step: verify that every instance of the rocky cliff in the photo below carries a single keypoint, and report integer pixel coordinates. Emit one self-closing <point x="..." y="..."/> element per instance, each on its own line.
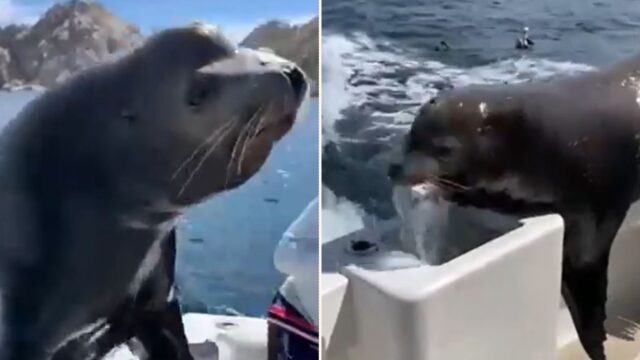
<point x="68" y="37"/>
<point x="298" y="43"/>
<point x="76" y="34"/>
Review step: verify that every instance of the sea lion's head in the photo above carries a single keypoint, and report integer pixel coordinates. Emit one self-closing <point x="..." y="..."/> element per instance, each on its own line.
<point x="204" y="115"/>
<point x="462" y="140"/>
<point x="183" y="117"/>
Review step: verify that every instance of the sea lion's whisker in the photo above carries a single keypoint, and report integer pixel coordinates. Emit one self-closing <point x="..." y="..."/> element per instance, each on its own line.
<point x="211" y="137"/>
<point x="219" y="139"/>
<point x="437" y="183"/>
<point x="243" y="145"/>
<point x="258" y="128"/>
<point x="234" y="152"/>
<point x="243" y="148"/>
<point x="257" y="115"/>
<point x="256" y="119"/>
<point x="444" y="184"/>
<point x="452" y="183"/>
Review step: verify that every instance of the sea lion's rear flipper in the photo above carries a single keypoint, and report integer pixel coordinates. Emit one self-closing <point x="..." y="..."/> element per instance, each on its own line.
<point x="584" y="274"/>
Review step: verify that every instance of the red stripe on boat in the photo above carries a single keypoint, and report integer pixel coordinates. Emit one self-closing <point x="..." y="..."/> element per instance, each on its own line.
<point x="284" y="314"/>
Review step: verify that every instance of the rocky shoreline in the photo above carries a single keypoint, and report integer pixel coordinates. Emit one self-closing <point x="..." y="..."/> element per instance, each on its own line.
<point x="14" y="87"/>
<point x="77" y="34"/>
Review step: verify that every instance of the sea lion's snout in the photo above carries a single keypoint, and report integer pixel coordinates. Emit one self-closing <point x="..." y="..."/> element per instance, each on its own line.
<point x="415" y="168"/>
<point x="398" y="177"/>
<point x="296" y="78"/>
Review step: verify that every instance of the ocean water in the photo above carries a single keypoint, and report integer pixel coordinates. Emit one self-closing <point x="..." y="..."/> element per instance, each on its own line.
<point x="380" y="64"/>
<point x="225" y="246"/>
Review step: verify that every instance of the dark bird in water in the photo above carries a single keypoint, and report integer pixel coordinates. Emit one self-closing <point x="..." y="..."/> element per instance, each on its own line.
<point x="443" y="46"/>
<point x="524" y="42"/>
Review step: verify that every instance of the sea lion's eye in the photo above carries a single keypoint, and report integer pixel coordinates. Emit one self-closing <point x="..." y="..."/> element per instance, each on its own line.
<point x="128" y="115"/>
<point x="198" y="97"/>
<point x="201" y="89"/>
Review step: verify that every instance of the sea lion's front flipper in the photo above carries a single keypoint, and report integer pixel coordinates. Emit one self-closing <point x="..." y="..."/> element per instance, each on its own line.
<point x="584" y="273"/>
<point x="159" y="324"/>
<point x="585" y="290"/>
<point x="162" y="334"/>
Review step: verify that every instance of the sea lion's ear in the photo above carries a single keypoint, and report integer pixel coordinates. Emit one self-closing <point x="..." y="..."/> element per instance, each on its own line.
<point x="219" y="46"/>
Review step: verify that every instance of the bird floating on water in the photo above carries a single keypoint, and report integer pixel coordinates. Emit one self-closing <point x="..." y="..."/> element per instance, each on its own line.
<point x="524" y="42"/>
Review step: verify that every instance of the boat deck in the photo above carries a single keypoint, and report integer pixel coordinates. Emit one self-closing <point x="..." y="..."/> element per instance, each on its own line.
<point x="403" y="301"/>
<point x="217" y="337"/>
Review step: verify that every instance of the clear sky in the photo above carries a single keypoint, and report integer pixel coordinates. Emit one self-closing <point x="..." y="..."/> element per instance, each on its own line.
<point x="236" y="17"/>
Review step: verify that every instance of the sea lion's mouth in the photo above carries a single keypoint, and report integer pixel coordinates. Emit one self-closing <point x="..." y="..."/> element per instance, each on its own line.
<point x="285" y="121"/>
<point x="498" y="201"/>
<point x="280" y="115"/>
<point x="288" y="120"/>
<point x="449" y="184"/>
<point x="270" y="123"/>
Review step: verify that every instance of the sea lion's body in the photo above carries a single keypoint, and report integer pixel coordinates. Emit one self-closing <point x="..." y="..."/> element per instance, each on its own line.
<point x="96" y="171"/>
<point x="568" y="144"/>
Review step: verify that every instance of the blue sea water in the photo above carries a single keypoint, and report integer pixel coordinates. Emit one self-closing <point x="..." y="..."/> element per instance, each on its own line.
<point x="225" y="246"/>
<point x="484" y="31"/>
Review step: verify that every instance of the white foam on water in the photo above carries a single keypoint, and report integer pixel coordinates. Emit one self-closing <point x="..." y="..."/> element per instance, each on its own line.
<point x="359" y="59"/>
<point x="285" y="174"/>
<point x="335" y="91"/>
<point x="339" y="216"/>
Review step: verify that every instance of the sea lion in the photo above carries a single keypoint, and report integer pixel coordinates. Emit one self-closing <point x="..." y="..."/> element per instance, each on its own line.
<point x="96" y="170"/>
<point x="568" y="144"/>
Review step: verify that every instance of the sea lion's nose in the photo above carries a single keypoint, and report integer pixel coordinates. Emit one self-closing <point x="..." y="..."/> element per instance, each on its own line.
<point x="297" y="80"/>
<point x="296" y="77"/>
<point x="394" y="172"/>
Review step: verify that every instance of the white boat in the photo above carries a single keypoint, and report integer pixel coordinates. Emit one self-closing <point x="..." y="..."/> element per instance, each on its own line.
<point x="498" y="301"/>
<point x="217" y="337"/>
